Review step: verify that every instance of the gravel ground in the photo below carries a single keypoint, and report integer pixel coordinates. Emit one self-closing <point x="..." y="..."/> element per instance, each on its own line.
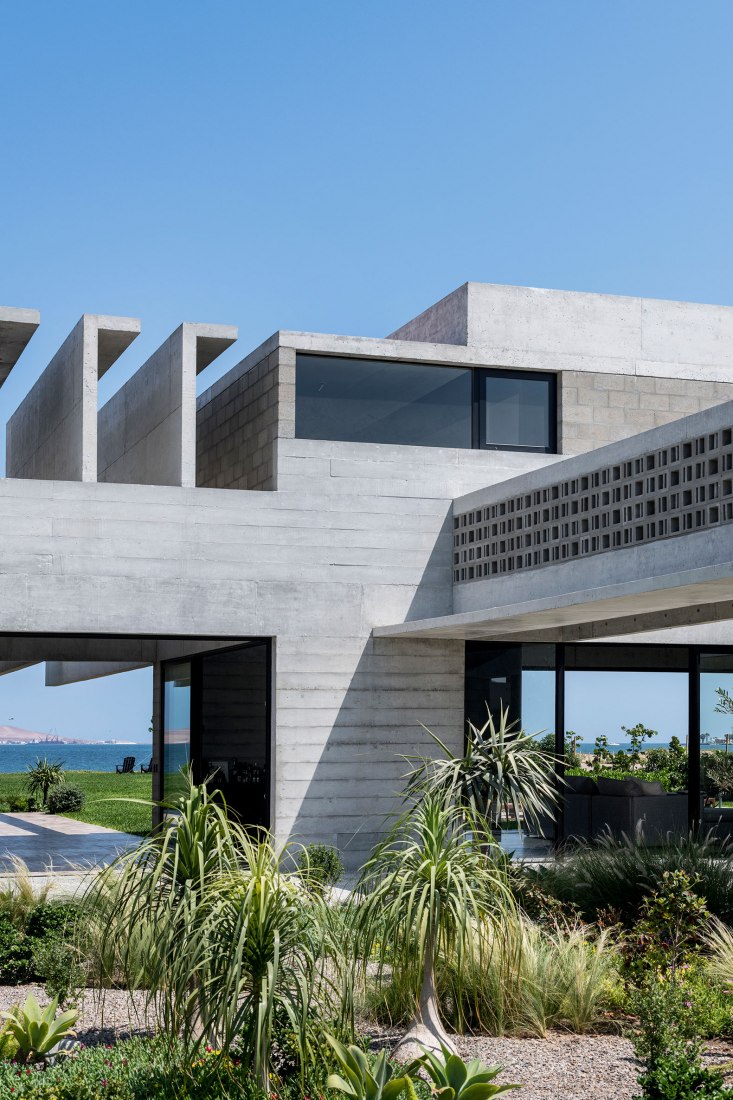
<point x="560" y="1067"/>
<point x="118" y="1014"/>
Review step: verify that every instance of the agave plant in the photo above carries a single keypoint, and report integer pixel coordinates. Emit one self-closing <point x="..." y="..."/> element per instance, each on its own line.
<point x="37" y="1031"/>
<point x="364" y="1078"/>
<point x="425" y="891"/>
<point x="501" y="765"/>
<point x="454" y="1079"/>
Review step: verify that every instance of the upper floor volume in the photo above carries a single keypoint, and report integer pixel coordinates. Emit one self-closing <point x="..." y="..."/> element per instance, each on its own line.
<point x="536" y="373"/>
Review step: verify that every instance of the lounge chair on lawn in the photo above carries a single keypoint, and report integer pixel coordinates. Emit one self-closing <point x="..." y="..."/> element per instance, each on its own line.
<point x="127" y="765"/>
<point x="147" y="767"/>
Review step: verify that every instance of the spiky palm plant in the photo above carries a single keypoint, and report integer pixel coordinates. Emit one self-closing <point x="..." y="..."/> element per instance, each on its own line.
<point x="43" y="775"/>
<point x="501" y="765"/>
<point x="423" y="893"/>
<point x="204" y="919"/>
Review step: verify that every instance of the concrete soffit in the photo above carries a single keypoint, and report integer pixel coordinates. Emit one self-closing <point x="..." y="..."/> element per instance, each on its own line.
<point x="16" y="328"/>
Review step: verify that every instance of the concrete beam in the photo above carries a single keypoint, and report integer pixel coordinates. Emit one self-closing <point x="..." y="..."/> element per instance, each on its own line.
<point x="60" y="673"/>
<point x="16" y="328"/>
<point x="6" y="667"/>
<point x="147" y="430"/>
<point x="52" y="435"/>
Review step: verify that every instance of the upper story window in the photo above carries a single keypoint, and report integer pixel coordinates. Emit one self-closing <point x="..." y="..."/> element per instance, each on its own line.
<point x="388" y="401"/>
<point x="518" y="410"/>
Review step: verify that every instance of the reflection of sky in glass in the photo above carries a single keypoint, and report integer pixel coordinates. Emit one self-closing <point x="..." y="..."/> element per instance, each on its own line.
<point x="177" y="714"/>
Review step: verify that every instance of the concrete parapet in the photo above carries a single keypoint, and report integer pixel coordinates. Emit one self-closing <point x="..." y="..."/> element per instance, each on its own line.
<point x="16" y="328"/>
<point x="147" y="430"/>
<point x="53" y="432"/>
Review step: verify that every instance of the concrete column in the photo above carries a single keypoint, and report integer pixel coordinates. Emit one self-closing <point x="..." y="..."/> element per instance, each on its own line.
<point x="147" y="430"/>
<point x="52" y="435"/>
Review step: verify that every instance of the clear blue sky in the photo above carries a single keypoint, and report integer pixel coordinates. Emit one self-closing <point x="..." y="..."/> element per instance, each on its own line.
<point x="339" y="166"/>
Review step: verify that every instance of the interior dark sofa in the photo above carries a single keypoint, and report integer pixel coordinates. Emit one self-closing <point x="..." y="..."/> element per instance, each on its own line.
<point x="596" y="806"/>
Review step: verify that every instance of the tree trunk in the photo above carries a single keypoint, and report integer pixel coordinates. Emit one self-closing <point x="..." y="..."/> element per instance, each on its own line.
<point x="426" y="1029"/>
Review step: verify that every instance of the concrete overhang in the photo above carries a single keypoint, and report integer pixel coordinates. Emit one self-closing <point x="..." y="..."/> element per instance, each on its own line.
<point x="701" y="595"/>
<point x="16" y="328"/>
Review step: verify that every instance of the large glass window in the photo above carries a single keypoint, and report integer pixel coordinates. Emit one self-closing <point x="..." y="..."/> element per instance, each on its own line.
<point x="387" y="401"/>
<point x="518" y="411"/>
<point x="375" y="401"/>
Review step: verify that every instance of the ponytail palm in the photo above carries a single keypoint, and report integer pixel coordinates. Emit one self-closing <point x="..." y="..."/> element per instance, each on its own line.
<point x="501" y="765"/>
<point x="223" y="940"/>
<point x="425" y="892"/>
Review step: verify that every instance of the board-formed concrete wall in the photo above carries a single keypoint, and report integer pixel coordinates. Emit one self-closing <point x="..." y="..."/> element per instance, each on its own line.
<point x="314" y="567"/>
<point x="53" y="432"/>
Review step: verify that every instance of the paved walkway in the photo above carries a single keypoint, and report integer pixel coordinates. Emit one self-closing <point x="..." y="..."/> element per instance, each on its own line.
<point x="50" y="843"/>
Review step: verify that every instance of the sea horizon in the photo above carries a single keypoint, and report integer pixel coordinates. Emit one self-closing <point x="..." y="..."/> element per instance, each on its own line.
<point x="90" y="756"/>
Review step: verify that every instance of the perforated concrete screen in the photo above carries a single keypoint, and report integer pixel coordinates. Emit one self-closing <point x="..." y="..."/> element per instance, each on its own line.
<point x="687" y="486"/>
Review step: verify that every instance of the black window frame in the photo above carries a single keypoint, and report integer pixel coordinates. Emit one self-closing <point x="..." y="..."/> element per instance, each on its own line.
<point x="478" y="401"/>
<point x="479" y="408"/>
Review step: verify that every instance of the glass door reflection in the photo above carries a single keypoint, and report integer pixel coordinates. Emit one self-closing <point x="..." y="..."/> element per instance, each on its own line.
<point x="176" y="726"/>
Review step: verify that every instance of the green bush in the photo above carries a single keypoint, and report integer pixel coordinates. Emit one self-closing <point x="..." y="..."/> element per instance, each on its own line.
<point x="321" y="864"/>
<point x="65" y="799"/>
<point x="23" y="931"/>
<point x="668" y="1044"/>
<point x="21" y="804"/>
<point x="670" y="931"/>
<point x="145" y="1069"/>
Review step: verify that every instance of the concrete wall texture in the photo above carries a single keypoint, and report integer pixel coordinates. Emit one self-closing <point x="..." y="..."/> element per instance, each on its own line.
<point x="214" y="520"/>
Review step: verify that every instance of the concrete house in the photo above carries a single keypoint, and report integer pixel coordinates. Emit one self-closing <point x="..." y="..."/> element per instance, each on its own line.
<point x="346" y="537"/>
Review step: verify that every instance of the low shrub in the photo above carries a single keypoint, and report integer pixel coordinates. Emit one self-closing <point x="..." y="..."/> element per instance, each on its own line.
<point x="321" y="864"/>
<point x="65" y="799"/>
<point x="24" y="931"/>
<point x="617" y="874"/>
<point x="21" y="804"/>
<point x="670" y="931"/>
<point x="669" y="1046"/>
<point x="145" y="1069"/>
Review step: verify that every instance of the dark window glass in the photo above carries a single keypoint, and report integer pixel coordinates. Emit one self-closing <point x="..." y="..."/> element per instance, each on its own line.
<point x="378" y="401"/>
<point x="518" y="411"/>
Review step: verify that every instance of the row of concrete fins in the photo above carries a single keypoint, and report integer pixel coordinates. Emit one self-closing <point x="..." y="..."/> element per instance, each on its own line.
<point x="146" y="432"/>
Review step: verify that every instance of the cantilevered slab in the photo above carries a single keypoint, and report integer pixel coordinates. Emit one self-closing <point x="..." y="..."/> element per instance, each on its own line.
<point x="52" y="435"/>
<point x="60" y="673"/>
<point x="147" y="430"/>
<point x="16" y="328"/>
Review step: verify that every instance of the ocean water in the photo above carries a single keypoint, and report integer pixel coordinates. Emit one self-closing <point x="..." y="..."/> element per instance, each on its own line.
<point x="589" y="746"/>
<point x="85" y="758"/>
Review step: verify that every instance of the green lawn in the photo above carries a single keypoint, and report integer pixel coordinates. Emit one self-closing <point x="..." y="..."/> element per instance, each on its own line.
<point x="127" y="817"/>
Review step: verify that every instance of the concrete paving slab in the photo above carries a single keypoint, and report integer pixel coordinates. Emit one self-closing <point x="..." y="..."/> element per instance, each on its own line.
<point x="49" y="844"/>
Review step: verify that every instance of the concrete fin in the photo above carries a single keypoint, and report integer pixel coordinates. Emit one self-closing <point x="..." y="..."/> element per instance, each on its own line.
<point x="16" y="328"/>
<point x="147" y="430"/>
<point x="52" y="435"/>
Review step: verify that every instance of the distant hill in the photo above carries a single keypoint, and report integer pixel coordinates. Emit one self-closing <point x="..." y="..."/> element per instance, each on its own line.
<point x="11" y="735"/>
